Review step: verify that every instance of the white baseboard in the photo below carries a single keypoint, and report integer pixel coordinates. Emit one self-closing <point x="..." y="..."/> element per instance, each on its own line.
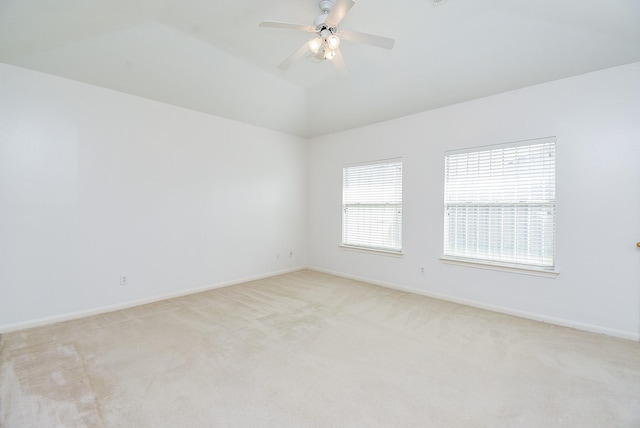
<point x="500" y="309"/>
<point x="635" y="336"/>
<point x="129" y="304"/>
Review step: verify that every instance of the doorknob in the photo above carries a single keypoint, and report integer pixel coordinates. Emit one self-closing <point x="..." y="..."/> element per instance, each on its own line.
<point x="638" y="244"/>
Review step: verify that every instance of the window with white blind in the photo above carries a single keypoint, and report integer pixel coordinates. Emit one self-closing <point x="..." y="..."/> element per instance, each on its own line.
<point x="372" y="206"/>
<point x="500" y="204"/>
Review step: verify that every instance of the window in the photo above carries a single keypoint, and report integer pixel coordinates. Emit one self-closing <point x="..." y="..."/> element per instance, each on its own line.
<point x="372" y="206"/>
<point x="500" y="204"/>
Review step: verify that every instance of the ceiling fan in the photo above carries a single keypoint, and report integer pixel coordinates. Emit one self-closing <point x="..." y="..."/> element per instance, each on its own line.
<point x="325" y="45"/>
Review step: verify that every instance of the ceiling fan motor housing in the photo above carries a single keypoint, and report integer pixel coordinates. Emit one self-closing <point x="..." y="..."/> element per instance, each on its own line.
<point x="320" y="20"/>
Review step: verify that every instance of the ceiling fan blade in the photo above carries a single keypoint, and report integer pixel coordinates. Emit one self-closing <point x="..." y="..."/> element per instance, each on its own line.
<point x="369" y="39"/>
<point x="287" y="26"/>
<point x="297" y="55"/>
<point x="338" y="11"/>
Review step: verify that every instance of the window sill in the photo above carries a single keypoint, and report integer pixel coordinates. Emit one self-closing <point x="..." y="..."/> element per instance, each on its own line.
<point x="501" y="267"/>
<point x="373" y="251"/>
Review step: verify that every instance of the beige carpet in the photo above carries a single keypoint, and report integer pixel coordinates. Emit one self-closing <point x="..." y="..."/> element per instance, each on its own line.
<point x="312" y="350"/>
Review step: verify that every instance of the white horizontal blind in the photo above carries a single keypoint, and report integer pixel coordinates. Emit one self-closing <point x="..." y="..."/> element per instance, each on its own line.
<point x="500" y="203"/>
<point x="372" y="205"/>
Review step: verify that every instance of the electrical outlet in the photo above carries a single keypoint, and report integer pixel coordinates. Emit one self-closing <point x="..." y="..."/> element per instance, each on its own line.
<point x="290" y="253"/>
<point x="277" y="256"/>
<point x="422" y="270"/>
<point x="124" y="279"/>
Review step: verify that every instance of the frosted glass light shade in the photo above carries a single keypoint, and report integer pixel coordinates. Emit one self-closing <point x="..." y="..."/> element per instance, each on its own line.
<point x="329" y="54"/>
<point x="333" y="41"/>
<point x="315" y="44"/>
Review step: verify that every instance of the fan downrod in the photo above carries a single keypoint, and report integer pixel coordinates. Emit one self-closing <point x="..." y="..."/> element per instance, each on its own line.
<point x="325" y="6"/>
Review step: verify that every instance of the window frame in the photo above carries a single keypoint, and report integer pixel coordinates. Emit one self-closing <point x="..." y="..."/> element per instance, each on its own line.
<point x="394" y="202"/>
<point x="488" y="259"/>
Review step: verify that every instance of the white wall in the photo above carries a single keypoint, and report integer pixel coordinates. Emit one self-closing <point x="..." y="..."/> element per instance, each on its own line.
<point x="596" y="119"/>
<point x="94" y="183"/>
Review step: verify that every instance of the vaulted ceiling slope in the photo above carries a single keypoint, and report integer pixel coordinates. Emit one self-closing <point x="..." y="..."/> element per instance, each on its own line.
<point x="211" y="56"/>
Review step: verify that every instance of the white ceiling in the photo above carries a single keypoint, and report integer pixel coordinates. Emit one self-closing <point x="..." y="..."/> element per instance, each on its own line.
<point x="211" y="56"/>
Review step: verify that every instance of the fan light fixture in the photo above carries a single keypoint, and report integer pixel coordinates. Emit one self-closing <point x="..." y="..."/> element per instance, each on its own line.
<point x="327" y="37"/>
<point x="315" y="44"/>
<point x="332" y="41"/>
<point x="327" y="43"/>
<point x="329" y="54"/>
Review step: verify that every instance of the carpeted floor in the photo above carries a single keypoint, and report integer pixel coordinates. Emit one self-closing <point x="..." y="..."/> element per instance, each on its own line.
<point x="308" y="349"/>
